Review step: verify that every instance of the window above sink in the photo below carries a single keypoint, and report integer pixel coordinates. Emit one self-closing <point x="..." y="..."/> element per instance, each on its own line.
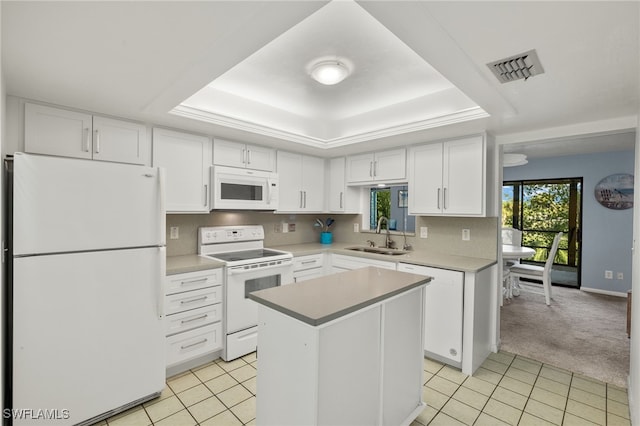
<point x="392" y="203"/>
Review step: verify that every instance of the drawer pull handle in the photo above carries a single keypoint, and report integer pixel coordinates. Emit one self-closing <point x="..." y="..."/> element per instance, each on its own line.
<point x="199" y="342"/>
<point x="197" y="299"/>
<point x="306" y="262"/>
<point x="191" y="282"/>
<point x="185" y="321"/>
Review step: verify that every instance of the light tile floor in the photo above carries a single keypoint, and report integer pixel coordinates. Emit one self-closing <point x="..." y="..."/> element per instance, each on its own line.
<point x="506" y="390"/>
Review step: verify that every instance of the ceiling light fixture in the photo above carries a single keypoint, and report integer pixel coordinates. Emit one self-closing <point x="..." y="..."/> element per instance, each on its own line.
<point x="511" y="160"/>
<point x="329" y="72"/>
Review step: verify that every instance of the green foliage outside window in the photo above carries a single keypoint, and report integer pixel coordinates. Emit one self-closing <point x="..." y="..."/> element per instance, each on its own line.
<point x="545" y="211"/>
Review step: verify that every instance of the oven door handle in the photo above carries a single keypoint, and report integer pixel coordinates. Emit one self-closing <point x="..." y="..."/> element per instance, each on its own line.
<point x="239" y="270"/>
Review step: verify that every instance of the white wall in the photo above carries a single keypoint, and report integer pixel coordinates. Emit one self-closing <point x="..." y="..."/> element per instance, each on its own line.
<point x="634" y="365"/>
<point x="606" y="236"/>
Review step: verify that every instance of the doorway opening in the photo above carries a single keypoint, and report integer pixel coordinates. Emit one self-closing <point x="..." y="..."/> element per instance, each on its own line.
<point x="541" y="209"/>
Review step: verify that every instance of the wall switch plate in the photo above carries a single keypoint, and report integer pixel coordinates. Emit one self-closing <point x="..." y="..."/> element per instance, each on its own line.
<point x="620" y="276"/>
<point x="285" y="227"/>
<point x="356" y="227"/>
<point x="466" y="234"/>
<point x="424" y="232"/>
<point x="174" y="233"/>
<point x="608" y="275"/>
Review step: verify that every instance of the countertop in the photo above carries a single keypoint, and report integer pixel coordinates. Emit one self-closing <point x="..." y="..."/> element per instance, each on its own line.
<point x="194" y="262"/>
<point x="190" y="263"/>
<point x="324" y="299"/>
<point x="417" y="257"/>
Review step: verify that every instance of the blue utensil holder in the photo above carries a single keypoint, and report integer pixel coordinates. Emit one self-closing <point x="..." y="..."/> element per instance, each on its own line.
<point x="326" y="237"/>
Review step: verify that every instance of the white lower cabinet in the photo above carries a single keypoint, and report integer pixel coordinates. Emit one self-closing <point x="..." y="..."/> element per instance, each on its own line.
<point x="443" y="312"/>
<point x="363" y="368"/>
<point x="193" y="320"/>
<point x="308" y="267"/>
<point x="340" y="263"/>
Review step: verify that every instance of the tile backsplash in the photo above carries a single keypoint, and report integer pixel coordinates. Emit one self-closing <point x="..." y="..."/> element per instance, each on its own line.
<point x="444" y="233"/>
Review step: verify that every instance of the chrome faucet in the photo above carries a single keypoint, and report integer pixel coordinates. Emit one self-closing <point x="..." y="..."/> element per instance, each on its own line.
<point x="389" y="243"/>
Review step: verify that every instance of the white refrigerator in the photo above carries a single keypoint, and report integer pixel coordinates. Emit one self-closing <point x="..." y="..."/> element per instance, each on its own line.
<point x="85" y="273"/>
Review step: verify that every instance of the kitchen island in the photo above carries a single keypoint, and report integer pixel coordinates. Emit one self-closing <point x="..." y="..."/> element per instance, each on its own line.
<point x="342" y="349"/>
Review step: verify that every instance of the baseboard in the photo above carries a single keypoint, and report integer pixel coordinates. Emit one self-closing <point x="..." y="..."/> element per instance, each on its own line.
<point x="607" y="292"/>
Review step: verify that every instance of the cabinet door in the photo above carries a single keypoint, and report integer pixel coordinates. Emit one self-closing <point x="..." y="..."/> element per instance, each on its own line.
<point x="464" y="176"/>
<point x="336" y="184"/>
<point x="119" y="141"/>
<point x="360" y="168"/>
<point x="187" y="159"/>
<point x="425" y="179"/>
<point x="443" y="311"/>
<point x="231" y="154"/>
<point x="260" y="158"/>
<point x="55" y="131"/>
<point x="312" y="183"/>
<point x="290" y="177"/>
<point x="390" y="165"/>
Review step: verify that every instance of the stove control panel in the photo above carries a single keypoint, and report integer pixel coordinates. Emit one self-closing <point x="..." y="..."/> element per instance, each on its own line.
<point x="227" y="234"/>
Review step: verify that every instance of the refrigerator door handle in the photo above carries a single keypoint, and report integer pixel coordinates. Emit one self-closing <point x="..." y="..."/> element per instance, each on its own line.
<point x="162" y="184"/>
<point x="160" y="286"/>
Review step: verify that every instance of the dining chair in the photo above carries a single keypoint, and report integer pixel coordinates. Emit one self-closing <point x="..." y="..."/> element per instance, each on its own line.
<point x="512" y="237"/>
<point x="538" y="273"/>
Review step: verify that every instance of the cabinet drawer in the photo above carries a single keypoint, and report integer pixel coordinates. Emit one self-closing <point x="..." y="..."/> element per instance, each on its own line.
<point x="193" y="318"/>
<point x="352" y="262"/>
<point x="307" y="274"/>
<point x="307" y="262"/>
<point x="190" y="344"/>
<point x="193" y="280"/>
<point x="193" y="299"/>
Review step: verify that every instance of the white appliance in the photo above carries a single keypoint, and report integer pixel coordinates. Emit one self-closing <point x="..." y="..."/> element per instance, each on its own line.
<point x="85" y="272"/>
<point x="243" y="189"/>
<point x="249" y="267"/>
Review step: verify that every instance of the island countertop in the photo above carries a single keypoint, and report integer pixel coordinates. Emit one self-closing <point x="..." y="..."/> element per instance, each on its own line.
<point x="324" y="299"/>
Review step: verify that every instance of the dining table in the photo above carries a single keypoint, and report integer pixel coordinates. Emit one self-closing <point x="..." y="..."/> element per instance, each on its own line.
<point x="511" y="252"/>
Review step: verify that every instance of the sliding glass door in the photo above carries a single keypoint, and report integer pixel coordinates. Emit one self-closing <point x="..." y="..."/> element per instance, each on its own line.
<point x="542" y="208"/>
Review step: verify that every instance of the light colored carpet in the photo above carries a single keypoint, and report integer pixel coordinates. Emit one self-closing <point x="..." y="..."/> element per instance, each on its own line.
<point x="581" y="332"/>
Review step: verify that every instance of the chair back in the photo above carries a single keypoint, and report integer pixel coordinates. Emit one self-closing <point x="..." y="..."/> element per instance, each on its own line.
<point x="511" y="236"/>
<point x="552" y="253"/>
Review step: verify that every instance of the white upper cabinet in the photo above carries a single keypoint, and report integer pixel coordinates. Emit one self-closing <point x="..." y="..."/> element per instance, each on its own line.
<point x="388" y="166"/>
<point x="301" y="182"/>
<point x="54" y="131"/>
<point x="341" y="198"/>
<point x="448" y="178"/>
<point x="234" y="154"/>
<point x="187" y="160"/>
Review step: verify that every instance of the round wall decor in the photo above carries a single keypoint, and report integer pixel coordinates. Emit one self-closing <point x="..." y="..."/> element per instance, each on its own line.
<point x="615" y="191"/>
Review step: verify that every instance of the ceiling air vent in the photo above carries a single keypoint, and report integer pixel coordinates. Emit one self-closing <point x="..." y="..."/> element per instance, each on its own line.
<point x="516" y="67"/>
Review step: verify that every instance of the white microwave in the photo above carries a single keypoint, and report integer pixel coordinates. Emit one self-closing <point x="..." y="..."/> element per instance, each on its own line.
<point x="243" y="189"/>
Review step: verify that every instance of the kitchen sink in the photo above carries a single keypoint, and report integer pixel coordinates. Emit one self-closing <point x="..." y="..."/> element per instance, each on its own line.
<point x="378" y="250"/>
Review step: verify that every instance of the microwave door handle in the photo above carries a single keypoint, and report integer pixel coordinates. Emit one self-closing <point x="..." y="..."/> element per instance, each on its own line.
<point x="268" y="191"/>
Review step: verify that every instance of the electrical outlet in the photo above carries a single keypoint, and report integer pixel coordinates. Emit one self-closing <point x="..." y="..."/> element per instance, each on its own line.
<point x="608" y="275"/>
<point x="424" y="232"/>
<point x="292" y="227"/>
<point x="620" y="276"/>
<point x="356" y="227"/>
<point x="277" y="228"/>
<point x="174" y="233"/>
<point x="285" y="227"/>
<point x="466" y="234"/>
